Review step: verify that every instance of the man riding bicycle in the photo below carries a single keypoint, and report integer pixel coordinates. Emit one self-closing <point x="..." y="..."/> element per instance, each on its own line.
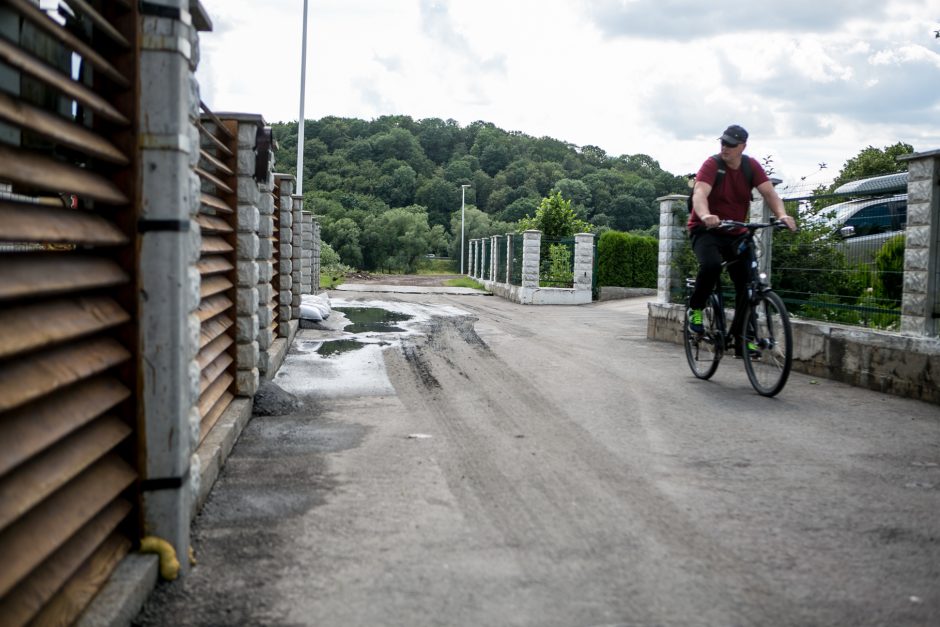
<point x="722" y="191"/>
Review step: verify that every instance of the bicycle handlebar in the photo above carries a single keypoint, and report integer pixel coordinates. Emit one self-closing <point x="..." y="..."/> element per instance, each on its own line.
<point x="752" y="226"/>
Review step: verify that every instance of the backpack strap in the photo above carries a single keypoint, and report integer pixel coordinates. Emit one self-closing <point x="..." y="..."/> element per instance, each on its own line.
<point x="720" y="175"/>
<point x="745" y="167"/>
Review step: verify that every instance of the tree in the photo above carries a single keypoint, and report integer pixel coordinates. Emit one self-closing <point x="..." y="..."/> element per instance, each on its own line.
<point x="440" y="197"/>
<point x="555" y="219"/>
<point x="872" y="162"/>
<point x="343" y="236"/>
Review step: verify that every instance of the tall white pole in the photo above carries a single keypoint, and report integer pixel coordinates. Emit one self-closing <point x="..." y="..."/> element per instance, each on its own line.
<point x="300" y="119"/>
<point x="463" y="197"/>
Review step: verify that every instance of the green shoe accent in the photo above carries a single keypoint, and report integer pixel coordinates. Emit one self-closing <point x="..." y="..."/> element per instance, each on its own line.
<point x="695" y="321"/>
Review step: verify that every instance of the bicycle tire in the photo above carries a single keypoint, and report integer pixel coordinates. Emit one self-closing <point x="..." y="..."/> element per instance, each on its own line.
<point x="768" y="328"/>
<point x="704" y="351"/>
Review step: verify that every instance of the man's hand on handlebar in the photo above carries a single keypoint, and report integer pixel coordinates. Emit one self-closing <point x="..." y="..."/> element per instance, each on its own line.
<point x="711" y="221"/>
<point x="789" y="221"/>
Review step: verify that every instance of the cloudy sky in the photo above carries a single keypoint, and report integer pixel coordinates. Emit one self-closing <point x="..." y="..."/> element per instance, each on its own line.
<point x="814" y="81"/>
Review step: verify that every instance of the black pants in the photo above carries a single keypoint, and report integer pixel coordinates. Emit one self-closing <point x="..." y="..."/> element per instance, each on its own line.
<point x="711" y="249"/>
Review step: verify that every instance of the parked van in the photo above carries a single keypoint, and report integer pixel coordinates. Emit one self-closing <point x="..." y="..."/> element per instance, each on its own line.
<point x="865" y="223"/>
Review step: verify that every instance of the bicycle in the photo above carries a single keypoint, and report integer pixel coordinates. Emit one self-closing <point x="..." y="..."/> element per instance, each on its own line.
<point x="767" y="340"/>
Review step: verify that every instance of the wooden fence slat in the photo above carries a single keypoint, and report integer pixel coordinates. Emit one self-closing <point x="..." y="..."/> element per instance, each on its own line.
<point x="219" y="183"/>
<point x="214" y="392"/>
<point x="37" y="535"/>
<point x="19" y="59"/>
<point x="20" y="222"/>
<point x="58" y="129"/>
<point x="213" y="329"/>
<point x="214" y="265"/>
<point x="214" y="370"/>
<point x="209" y="419"/>
<point x="100" y="22"/>
<point x="215" y="141"/>
<point x="43" y="21"/>
<point x="22" y="381"/>
<point x="215" y="163"/>
<point x="38" y="425"/>
<point x="35" y="171"/>
<point x="36" y="326"/>
<point x="27" y="598"/>
<point x="215" y="120"/>
<point x="213" y="349"/>
<point x="69" y="603"/>
<point x="214" y="245"/>
<point x="213" y="306"/>
<point x="213" y="224"/>
<point x="214" y="285"/>
<point x="42" y="475"/>
<point x="37" y="275"/>
<point x="215" y="203"/>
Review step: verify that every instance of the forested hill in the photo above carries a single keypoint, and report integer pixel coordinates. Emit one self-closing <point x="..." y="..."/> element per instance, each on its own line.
<point x="355" y="171"/>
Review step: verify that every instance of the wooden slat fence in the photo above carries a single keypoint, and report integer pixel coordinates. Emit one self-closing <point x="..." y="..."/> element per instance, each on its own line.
<point x="217" y="267"/>
<point x="68" y="347"/>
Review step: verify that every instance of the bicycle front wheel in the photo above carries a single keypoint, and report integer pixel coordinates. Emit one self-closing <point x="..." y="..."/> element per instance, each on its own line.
<point x="768" y="344"/>
<point x="704" y="350"/>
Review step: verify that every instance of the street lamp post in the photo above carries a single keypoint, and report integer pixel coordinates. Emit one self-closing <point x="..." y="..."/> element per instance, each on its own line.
<point x="463" y="198"/>
<point x="300" y="121"/>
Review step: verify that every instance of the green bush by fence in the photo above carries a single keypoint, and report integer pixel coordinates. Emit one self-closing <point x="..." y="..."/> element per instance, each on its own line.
<point x="627" y="260"/>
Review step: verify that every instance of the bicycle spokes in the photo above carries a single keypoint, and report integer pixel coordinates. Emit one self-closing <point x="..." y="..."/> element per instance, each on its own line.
<point x="769" y="344"/>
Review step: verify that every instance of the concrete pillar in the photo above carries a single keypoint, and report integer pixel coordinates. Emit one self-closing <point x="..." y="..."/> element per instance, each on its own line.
<point x="920" y="302"/>
<point x="494" y="254"/>
<point x="531" y="247"/>
<point x="169" y="281"/>
<point x="266" y="269"/>
<point x="672" y="239"/>
<point x="583" y="261"/>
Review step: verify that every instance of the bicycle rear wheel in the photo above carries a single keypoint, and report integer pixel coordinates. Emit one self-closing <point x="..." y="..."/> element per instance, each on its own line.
<point x="768" y="344"/>
<point x="704" y="350"/>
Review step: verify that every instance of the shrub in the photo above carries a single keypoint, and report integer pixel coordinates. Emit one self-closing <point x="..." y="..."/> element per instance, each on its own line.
<point x="627" y="260"/>
<point x="889" y="262"/>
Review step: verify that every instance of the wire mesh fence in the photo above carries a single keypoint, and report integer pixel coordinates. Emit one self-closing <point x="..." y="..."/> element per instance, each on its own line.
<point x="500" y="259"/>
<point x="556" y="263"/>
<point x="515" y="275"/>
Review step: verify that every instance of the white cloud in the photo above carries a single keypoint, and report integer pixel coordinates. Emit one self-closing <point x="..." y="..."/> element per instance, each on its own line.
<point x="812" y="81"/>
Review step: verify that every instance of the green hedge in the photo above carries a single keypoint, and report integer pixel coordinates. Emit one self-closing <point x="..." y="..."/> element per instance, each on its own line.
<point x="627" y="260"/>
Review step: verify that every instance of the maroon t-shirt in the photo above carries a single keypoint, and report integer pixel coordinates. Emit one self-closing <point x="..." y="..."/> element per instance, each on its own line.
<point x="731" y="200"/>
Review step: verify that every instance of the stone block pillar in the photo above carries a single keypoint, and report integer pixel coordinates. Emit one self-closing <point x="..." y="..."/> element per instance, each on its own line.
<point x="296" y="254"/>
<point x="169" y="280"/>
<point x="531" y="247"/>
<point x="672" y="239"/>
<point x="920" y="303"/>
<point x="248" y="250"/>
<point x="306" y="259"/>
<point x="315" y="257"/>
<point x="266" y="267"/>
<point x="286" y="264"/>
<point x="583" y="261"/>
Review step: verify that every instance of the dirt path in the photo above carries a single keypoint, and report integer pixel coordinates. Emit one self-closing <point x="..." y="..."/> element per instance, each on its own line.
<point x="420" y="280"/>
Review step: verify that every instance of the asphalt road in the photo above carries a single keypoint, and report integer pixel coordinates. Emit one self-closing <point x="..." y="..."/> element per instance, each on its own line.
<point x="499" y="464"/>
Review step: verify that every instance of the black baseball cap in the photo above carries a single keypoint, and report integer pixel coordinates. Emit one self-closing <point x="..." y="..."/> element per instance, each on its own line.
<point x="734" y="135"/>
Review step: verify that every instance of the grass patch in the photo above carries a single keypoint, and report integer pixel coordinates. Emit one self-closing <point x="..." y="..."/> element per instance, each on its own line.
<point x="328" y="281"/>
<point x="463" y="282"/>
<point x="437" y="266"/>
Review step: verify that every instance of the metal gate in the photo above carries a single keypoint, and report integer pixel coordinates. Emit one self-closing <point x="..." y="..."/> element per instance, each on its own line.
<point x="68" y="334"/>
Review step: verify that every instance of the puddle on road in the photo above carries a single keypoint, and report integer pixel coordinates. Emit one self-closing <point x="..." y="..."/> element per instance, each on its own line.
<point x="371" y="319"/>
<point x="338" y="347"/>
